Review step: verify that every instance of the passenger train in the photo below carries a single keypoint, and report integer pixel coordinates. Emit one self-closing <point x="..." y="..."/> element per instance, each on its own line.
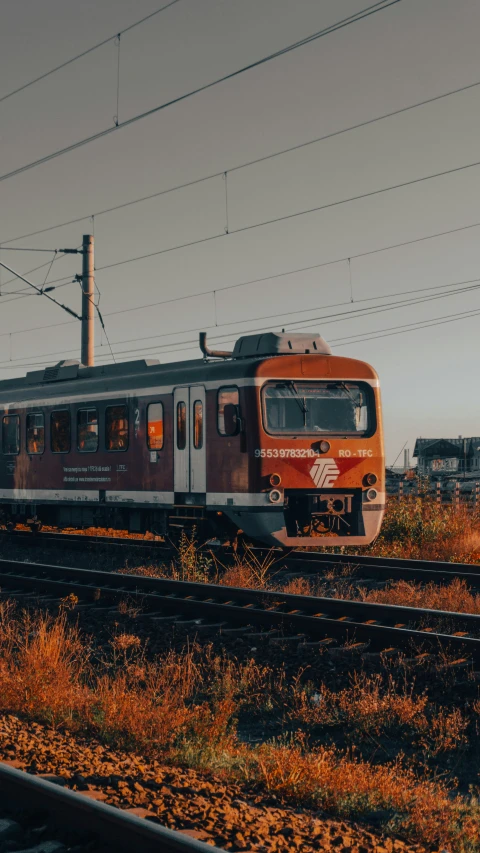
<point x="278" y="439"/>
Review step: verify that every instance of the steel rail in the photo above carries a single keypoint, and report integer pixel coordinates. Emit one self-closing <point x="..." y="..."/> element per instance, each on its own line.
<point x="119" y="829"/>
<point x="308" y="562"/>
<point x="421" y="571"/>
<point x="80" y="539"/>
<point x="381" y="625"/>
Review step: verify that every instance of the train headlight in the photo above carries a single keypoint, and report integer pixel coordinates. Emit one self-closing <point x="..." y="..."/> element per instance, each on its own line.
<point x="370" y="479"/>
<point x="371" y="494"/>
<point x="324" y="446"/>
<point x="275" y="496"/>
<point x="275" y="480"/>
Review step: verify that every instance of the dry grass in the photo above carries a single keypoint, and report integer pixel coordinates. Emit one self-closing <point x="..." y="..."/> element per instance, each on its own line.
<point x="420" y="809"/>
<point x="454" y="596"/>
<point x="183" y="708"/>
<point x="369" y="706"/>
<point x="297" y="586"/>
<point x="419" y="528"/>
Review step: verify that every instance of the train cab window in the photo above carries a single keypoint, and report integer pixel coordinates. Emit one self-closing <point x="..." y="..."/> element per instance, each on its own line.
<point x="116" y="428"/>
<point x="198" y="424"/>
<point x="310" y="408"/>
<point x="11" y="434"/>
<point x="181" y="425"/>
<point x="155" y="426"/>
<point x="35" y="433"/>
<point x="87" y="430"/>
<point x="226" y="396"/>
<point x="60" y="431"/>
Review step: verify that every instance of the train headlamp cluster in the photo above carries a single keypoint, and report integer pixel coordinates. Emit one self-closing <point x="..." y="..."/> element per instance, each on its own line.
<point x="324" y="446"/>
<point x="275" y="496"/>
<point x="370" y="479"/>
<point x="371" y="494"/>
<point x="275" y="479"/>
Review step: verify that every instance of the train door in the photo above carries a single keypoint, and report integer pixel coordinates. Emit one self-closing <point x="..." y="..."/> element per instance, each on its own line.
<point x="190" y="459"/>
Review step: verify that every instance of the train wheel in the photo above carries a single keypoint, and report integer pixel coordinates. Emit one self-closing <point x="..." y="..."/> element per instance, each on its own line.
<point x="36" y="526"/>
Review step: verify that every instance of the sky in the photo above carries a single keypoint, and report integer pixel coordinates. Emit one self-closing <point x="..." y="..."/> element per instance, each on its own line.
<point x="342" y="258"/>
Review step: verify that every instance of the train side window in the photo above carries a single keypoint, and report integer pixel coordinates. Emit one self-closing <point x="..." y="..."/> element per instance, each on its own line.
<point x="87" y="430"/>
<point x="181" y="425"/>
<point x="155" y="426"/>
<point x="226" y="396"/>
<point x="60" y="431"/>
<point x="35" y="432"/>
<point x="116" y="428"/>
<point x="198" y="424"/>
<point x="11" y="434"/>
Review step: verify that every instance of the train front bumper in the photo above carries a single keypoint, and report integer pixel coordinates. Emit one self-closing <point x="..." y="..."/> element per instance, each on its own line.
<point x="315" y="518"/>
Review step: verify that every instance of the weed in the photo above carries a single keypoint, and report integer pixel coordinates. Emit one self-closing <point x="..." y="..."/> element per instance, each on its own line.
<point x="419" y="528"/>
<point x="183" y="707"/>
<point x="248" y="570"/>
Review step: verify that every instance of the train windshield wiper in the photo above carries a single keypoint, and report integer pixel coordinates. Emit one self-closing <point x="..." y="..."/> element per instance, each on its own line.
<point x="349" y="394"/>
<point x="302" y="404"/>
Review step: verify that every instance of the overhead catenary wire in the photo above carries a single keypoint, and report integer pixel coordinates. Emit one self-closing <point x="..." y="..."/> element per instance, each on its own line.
<point x="40" y="291"/>
<point x="248" y="163"/>
<point x="220" y="289"/>
<point x="325" y="319"/>
<point x="183" y="346"/>
<point x="145" y="352"/>
<point x="351" y="19"/>
<point x="306" y="212"/>
<point x="85" y="52"/>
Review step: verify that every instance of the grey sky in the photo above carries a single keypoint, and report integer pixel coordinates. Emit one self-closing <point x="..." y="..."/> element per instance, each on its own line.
<point x="412" y="51"/>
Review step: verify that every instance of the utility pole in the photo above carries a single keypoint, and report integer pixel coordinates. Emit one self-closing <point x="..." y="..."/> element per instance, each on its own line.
<point x="88" y="305"/>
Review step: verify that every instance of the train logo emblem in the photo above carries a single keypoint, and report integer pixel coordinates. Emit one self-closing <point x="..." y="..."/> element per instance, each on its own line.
<point x="324" y="473"/>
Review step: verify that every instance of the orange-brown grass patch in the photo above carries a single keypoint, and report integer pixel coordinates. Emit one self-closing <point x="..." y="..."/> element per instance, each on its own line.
<point x="47" y="673"/>
<point x="454" y="596"/>
<point x="190" y="563"/>
<point x="420" y="528"/>
<point x="297" y="586"/>
<point x="419" y="808"/>
<point x="151" y="571"/>
<point x="183" y="707"/>
<point x="369" y="706"/>
<point x="43" y="662"/>
<point x="248" y="570"/>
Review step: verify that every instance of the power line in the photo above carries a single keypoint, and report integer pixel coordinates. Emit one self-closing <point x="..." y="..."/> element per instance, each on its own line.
<point x="84" y="53"/>
<point x="219" y="289"/>
<point x="248" y="163"/>
<point x="331" y="318"/>
<point x="325" y="318"/>
<point x="295" y="215"/>
<point x="40" y="291"/>
<point x="24" y="249"/>
<point x="409" y="327"/>
<point x="394" y="330"/>
<point x="351" y="19"/>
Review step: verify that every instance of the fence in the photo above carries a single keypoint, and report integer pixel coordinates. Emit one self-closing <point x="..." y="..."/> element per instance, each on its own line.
<point x="464" y="492"/>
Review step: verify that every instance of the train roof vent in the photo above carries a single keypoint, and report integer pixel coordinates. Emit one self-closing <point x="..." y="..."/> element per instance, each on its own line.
<point x="280" y="343"/>
<point x="61" y="372"/>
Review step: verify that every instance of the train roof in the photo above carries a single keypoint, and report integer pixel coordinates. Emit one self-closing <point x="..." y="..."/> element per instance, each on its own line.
<point x="69" y="378"/>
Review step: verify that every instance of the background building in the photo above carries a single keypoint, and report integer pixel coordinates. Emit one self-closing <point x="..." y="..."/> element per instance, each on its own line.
<point x="441" y="457"/>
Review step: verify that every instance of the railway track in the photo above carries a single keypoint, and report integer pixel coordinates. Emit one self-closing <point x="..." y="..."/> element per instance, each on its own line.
<point x="71" y="811"/>
<point x="79" y="540"/>
<point x="391" y="568"/>
<point x="208" y="607"/>
<point x="305" y="563"/>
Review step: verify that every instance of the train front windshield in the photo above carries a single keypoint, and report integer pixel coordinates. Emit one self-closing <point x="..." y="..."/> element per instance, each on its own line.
<point x="296" y="408"/>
